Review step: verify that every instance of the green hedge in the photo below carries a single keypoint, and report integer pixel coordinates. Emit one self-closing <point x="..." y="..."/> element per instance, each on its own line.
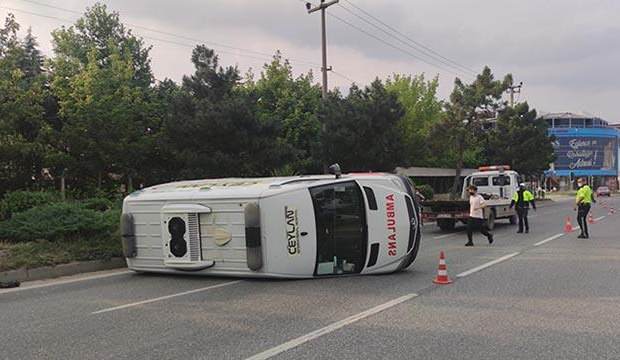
<point x="19" y="201"/>
<point x="97" y="204"/>
<point x="60" y="221"/>
<point x="426" y="191"/>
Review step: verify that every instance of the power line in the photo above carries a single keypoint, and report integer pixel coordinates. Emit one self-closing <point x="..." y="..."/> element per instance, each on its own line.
<point x="145" y="37"/>
<point x="262" y="56"/>
<point x="343" y="76"/>
<point x="367" y="33"/>
<point x="420" y="50"/>
<point x="176" y="35"/>
<point x="409" y="38"/>
<point x="390" y="44"/>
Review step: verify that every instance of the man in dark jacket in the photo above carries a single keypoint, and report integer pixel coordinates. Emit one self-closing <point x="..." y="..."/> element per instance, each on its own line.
<point x="522" y="200"/>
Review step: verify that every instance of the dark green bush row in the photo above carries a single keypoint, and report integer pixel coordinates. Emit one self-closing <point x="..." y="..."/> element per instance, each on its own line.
<point x="60" y="221"/>
<point x="19" y="201"/>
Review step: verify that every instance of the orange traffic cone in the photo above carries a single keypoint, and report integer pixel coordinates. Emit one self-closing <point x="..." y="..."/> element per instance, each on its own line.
<point x="442" y="272"/>
<point x="590" y="219"/>
<point x="568" y="227"/>
<point x="612" y="211"/>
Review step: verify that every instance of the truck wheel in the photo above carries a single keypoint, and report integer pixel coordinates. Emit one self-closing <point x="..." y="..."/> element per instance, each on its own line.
<point x="446" y="224"/>
<point x="513" y="220"/>
<point x="491" y="221"/>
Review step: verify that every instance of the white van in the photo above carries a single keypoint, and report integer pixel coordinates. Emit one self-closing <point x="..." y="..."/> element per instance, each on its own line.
<point x="288" y="227"/>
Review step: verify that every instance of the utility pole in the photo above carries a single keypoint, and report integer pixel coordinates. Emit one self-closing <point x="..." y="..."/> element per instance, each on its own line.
<point x="324" y="5"/>
<point x="512" y="90"/>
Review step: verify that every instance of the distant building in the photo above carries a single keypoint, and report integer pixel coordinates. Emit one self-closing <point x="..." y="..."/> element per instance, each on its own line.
<point x="585" y="146"/>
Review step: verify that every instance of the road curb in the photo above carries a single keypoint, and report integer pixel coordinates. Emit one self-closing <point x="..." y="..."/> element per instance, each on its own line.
<point x="50" y="272"/>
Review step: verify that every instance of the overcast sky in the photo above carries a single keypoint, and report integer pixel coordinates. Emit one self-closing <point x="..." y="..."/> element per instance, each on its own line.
<point x="566" y="52"/>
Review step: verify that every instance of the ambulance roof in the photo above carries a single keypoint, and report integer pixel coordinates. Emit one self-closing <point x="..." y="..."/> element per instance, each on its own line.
<point x="238" y="188"/>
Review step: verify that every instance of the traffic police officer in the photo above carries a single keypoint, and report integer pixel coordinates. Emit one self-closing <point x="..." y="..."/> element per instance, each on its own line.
<point x="583" y="202"/>
<point x="522" y="199"/>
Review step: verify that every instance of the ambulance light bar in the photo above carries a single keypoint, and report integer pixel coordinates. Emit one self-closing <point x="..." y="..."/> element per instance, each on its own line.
<point x="494" y="168"/>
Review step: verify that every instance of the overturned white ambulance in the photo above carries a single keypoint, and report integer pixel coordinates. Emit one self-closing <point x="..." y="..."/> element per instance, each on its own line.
<point x="287" y="227"/>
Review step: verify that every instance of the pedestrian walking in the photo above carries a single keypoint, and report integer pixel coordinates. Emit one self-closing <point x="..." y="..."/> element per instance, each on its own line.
<point x="476" y="216"/>
<point x="521" y="200"/>
<point x="583" y="203"/>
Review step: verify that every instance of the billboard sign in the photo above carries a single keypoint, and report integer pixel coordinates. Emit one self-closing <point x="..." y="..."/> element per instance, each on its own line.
<point x="585" y="153"/>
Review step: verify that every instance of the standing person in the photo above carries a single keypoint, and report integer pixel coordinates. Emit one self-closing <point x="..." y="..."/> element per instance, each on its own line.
<point x="476" y="216"/>
<point x="583" y="202"/>
<point x="522" y="200"/>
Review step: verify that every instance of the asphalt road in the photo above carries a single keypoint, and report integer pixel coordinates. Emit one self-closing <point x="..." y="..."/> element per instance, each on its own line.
<point x="538" y="295"/>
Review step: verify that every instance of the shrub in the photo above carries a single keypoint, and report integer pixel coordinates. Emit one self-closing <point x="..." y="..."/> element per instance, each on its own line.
<point x="19" y="201"/>
<point x="426" y="191"/>
<point x="60" y="221"/>
<point x="97" y="204"/>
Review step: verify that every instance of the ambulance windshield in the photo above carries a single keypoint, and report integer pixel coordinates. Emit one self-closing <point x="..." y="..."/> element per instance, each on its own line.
<point x="341" y="228"/>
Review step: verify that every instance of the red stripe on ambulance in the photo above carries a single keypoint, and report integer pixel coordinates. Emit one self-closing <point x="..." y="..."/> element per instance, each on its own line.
<point x="391" y="224"/>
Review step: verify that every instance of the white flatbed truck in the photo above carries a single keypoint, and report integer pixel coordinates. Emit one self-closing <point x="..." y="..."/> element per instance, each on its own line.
<point x="496" y="184"/>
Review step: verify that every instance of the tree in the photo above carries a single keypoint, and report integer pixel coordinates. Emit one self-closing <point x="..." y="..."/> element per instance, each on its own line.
<point x="422" y="111"/>
<point x="32" y="61"/>
<point x="102" y="30"/>
<point x="101" y="77"/>
<point x="520" y="140"/>
<point x="21" y="111"/>
<point x="212" y="129"/>
<point x="292" y="106"/>
<point x="361" y="131"/>
<point x="460" y="130"/>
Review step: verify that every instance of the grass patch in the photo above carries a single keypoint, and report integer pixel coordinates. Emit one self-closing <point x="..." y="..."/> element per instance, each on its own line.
<point x="39" y="253"/>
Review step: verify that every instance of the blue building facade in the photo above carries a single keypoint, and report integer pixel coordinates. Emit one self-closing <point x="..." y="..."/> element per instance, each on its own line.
<point x="584" y="147"/>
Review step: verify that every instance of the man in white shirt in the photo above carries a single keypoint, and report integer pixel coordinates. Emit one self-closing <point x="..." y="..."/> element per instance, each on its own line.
<point x="476" y="216"/>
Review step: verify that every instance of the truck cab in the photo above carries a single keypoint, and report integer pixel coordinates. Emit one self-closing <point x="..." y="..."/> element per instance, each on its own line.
<point x="494" y="184"/>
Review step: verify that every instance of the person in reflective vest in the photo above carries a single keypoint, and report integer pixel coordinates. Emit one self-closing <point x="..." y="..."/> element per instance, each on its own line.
<point x="583" y="202"/>
<point x="521" y="200"/>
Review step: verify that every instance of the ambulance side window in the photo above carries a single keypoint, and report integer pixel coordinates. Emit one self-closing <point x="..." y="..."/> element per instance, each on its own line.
<point x="372" y="200"/>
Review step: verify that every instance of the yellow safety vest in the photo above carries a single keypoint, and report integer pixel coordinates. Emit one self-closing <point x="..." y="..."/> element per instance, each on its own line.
<point x="585" y="194"/>
<point x="527" y="196"/>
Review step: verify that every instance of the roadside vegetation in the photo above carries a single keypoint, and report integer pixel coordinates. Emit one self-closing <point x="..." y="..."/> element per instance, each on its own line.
<point x="90" y="123"/>
<point x="38" y="228"/>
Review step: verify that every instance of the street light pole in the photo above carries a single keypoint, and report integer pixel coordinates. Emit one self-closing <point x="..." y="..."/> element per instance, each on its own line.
<point x="324" y="69"/>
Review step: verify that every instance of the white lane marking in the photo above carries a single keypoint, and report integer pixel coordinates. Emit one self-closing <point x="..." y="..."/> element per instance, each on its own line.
<point x="67" y="281"/>
<point x="575" y="228"/>
<point x="600" y="218"/>
<point x="329" y="328"/>
<point x="486" y="265"/>
<point x="445" y="236"/>
<point x="165" y="297"/>
<point x="549" y="239"/>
